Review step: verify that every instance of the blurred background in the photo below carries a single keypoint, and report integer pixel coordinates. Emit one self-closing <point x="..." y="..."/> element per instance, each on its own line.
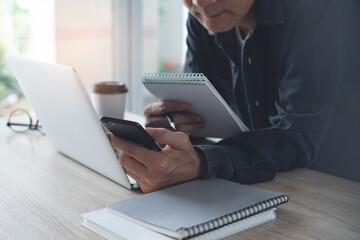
<point x="104" y="40"/>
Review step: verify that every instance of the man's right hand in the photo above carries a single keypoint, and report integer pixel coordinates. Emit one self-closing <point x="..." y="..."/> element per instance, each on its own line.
<point x="155" y="116"/>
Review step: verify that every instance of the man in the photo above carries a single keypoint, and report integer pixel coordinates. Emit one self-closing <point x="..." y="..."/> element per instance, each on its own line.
<point x="288" y="68"/>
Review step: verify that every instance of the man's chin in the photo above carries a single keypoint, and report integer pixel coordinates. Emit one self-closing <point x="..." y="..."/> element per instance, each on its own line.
<point x="218" y="28"/>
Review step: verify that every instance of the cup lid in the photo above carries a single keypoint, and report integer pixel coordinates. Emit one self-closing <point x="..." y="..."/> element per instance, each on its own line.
<point x="109" y="87"/>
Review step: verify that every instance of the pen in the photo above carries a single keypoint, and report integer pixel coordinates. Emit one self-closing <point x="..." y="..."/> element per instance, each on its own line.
<point x="172" y="124"/>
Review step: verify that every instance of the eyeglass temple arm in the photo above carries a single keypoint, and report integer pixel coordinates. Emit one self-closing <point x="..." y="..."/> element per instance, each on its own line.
<point x="18" y="124"/>
<point x="36" y="126"/>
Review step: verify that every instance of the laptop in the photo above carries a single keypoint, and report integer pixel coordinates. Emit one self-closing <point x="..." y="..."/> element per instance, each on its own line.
<point x="67" y="115"/>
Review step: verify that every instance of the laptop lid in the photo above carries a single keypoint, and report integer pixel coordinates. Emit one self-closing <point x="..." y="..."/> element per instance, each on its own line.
<point x="67" y="115"/>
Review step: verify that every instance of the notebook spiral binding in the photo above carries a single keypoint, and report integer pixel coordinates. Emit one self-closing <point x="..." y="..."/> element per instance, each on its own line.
<point x="175" y="78"/>
<point x="233" y="217"/>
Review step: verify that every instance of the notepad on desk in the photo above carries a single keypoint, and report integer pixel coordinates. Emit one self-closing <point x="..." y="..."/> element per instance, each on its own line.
<point x="196" y="89"/>
<point x="200" y="209"/>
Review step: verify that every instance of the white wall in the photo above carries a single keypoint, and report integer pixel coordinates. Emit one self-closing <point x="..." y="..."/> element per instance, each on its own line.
<point x="84" y="38"/>
<point x="42" y="30"/>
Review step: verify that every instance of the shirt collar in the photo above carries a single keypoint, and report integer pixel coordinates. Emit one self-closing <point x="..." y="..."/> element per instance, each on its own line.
<point x="267" y="12"/>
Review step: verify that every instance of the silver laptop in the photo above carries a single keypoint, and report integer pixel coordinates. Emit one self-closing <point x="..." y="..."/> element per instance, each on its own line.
<point x="67" y="115"/>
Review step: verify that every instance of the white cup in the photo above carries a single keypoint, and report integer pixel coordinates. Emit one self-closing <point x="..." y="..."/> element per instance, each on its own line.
<point x="108" y="99"/>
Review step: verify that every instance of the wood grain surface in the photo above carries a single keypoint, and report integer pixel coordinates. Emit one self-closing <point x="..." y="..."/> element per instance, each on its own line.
<point x="43" y="194"/>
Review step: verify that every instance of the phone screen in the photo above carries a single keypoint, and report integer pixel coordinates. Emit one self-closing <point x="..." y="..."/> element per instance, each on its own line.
<point x="131" y="131"/>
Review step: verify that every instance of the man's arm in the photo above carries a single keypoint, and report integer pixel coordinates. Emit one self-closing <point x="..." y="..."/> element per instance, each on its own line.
<point x="307" y="95"/>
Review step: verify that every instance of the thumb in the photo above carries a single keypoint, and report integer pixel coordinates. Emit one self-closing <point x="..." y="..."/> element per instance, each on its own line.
<point x="163" y="136"/>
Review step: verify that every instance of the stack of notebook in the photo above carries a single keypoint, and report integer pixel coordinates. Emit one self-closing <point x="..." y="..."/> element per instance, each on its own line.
<point x="200" y="209"/>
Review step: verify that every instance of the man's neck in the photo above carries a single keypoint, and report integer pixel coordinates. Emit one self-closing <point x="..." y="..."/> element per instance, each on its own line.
<point x="247" y="23"/>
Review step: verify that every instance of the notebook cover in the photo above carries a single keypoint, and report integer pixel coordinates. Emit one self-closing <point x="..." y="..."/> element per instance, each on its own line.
<point x="192" y="203"/>
<point x="220" y="120"/>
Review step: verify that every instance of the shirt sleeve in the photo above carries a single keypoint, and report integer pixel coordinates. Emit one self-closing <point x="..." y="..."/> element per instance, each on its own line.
<point x="307" y="94"/>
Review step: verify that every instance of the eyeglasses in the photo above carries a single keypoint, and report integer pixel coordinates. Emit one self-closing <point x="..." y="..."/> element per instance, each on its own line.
<point x="25" y="125"/>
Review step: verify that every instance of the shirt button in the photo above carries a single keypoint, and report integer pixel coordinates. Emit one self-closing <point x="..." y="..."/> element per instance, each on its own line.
<point x="234" y="70"/>
<point x="249" y="60"/>
<point x="257" y="103"/>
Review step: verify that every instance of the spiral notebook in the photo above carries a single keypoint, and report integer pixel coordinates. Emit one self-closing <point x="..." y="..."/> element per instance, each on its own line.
<point x="196" y="89"/>
<point x="112" y="227"/>
<point x="200" y="207"/>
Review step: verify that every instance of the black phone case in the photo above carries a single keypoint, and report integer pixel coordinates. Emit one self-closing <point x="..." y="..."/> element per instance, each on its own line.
<point x="131" y="131"/>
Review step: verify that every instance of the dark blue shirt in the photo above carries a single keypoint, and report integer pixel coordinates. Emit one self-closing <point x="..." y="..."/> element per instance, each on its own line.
<point x="294" y="82"/>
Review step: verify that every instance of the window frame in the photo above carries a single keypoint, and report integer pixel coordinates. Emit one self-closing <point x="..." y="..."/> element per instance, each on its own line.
<point x="128" y="50"/>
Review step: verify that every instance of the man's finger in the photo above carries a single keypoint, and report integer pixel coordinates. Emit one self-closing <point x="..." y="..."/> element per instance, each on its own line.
<point x="189" y="128"/>
<point x="164" y="136"/>
<point x="132" y="150"/>
<point x="134" y="175"/>
<point x="158" y="121"/>
<point x="164" y="107"/>
<point x="134" y="168"/>
<point x="131" y="163"/>
<point x="186" y="118"/>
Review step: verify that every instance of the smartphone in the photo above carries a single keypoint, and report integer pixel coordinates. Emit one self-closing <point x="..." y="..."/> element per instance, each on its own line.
<point x="131" y="131"/>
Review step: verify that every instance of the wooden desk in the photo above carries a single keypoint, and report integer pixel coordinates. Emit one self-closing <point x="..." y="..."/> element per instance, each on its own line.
<point x="43" y="194"/>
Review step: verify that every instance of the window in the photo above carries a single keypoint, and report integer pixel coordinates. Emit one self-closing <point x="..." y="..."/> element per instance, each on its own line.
<point x="164" y="38"/>
<point x="105" y="40"/>
<point x="26" y="28"/>
<point x="85" y="39"/>
<point x="154" y="42"/>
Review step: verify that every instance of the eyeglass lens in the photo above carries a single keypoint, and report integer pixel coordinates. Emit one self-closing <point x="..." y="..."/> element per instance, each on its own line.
<point x="20" y="121"/>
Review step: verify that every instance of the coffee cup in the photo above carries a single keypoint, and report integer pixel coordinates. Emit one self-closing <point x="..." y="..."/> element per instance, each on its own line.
<point x="108" y="99"/>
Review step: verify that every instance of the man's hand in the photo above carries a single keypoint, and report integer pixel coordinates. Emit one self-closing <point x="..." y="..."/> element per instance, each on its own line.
<point x="155" y="116"/>
<point x="177" y="162"/>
